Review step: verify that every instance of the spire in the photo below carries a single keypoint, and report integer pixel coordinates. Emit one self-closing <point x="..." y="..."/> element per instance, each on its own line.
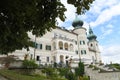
<point x="77" y="23"/>
<point x="91" y="35"/>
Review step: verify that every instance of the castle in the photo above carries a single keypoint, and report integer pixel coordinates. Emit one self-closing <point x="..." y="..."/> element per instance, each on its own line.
<point x="61" y="45"/>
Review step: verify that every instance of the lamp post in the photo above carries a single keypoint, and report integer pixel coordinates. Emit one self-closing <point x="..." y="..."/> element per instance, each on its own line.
<point x="35" y="47"/>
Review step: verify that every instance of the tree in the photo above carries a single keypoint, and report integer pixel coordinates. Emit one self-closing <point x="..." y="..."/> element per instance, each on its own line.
<point x="17" y="17"/>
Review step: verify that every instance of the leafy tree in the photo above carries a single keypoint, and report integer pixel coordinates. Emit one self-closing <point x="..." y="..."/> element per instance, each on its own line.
<point x="17" y="17"/>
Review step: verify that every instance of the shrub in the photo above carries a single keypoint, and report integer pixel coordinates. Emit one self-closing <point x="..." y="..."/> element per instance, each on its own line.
<point x="29" y="66"/>
<point x="71" y="76"/>
<point x="90" y="66"/>
<point x="63" y="71"/>
<point x="80" y="70"/>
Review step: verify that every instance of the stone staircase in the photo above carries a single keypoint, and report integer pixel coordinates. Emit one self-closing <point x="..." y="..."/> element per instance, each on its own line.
<point x="106" y="74"/>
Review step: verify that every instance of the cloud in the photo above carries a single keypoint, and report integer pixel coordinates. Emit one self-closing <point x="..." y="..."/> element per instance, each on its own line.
<point x="101" y="10"/>
<point x="106" y="13"/>
<point x="110" y="26"/>
<point x="110" y="53"/>
<point x="106" y="30"/>
<point x="100" y="5"/>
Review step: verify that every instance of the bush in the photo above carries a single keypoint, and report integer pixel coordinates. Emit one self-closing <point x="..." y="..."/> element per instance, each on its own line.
<point x="71" y="76"/>
<point x="80" y="70"/>
<point x="52" y="74"/>
<point x="63" y="71"/>
<point x="67" y="73"/>
<point x="90" y="66"/>
<point x="29" y="66"/>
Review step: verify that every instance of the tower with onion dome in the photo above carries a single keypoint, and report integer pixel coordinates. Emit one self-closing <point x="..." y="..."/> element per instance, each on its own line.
<point x="93" y="46"/>
<point x="82" y="40"/>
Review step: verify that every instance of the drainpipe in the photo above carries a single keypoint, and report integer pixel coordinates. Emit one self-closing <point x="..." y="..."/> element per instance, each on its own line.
<point x="78" y="48"/>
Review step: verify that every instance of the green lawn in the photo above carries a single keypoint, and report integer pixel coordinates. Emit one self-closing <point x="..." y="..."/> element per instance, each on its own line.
<point x="12" y="75"/>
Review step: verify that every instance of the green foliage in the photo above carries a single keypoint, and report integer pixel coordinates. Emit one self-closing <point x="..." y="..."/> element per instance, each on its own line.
<point x="55" y="64"/>
<point x="90" y="66"/>
<point x="67" y="73"/>
<point x="82" y="5"/>
<point x="50" y="72"/>
<point x="115" y="65"/>
<point x="71" y="76"/>
<point x="85" y="78"/>
<point x="17" y="17"/>
<point x="29" y="64"/>
<point x="95" y="68"/>
<point x="29" y="67"/>
<point x="12" y="75"/>
<point x="63" y="71"/>
<point x="80" y="70"/>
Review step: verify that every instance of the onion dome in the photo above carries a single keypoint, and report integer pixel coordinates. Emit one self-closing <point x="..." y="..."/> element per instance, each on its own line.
<point x="91" y="35"/>
<point x="77" y="23"/>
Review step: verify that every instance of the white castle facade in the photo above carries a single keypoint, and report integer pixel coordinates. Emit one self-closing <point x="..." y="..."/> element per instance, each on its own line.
<point x="61" y="45"/>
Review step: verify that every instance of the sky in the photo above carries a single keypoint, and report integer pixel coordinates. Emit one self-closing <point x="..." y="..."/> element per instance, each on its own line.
<point x="104" y="19"/>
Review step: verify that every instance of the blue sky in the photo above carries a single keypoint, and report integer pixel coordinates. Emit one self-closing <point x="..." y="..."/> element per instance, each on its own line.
<point x="104" y="18"/>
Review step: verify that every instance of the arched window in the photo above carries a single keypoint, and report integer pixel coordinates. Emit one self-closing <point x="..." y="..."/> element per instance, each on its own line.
<point x="71" y="47"/>
<point x="66" y="46"/>
<point x="60" y="45"/>
<point x="91" y="45"/>
<point x="61" y="58"/>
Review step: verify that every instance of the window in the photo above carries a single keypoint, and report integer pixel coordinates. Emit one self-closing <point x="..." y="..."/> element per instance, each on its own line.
<point x="91" y="45"/>
<point x="48" y="47"/>
<point x="40" y="46"/>
<point x="37" y="58"/>
<point x="47" y="59"/>
<point x="76" y="52"/>
<point x="60" y="45"/>
<point x="36" y="45"/>
<point x="66" y="46"/>
<point x="82" y="42"/>
<point x="76" y="42"/>
<point x="83" y="51"/>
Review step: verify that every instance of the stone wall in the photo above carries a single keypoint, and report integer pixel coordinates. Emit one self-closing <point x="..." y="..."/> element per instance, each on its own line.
<point x="97" y="75"/>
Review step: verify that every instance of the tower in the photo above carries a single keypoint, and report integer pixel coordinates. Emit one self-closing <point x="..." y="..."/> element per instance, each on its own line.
<point x="93" y="46"/>
<point x="81" y="40"/>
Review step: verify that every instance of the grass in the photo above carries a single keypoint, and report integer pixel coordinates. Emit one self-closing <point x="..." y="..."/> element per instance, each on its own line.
<point x="12" y="75"/>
